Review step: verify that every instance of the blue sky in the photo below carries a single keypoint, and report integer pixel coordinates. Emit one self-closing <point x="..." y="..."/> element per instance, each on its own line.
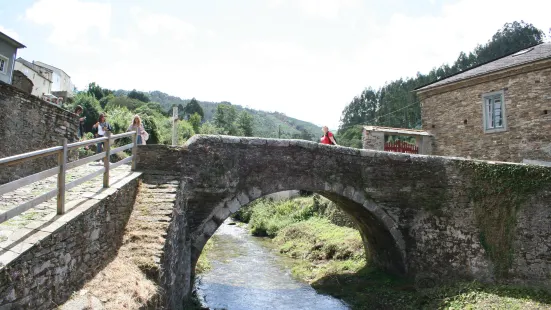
<point x="305" y="58"/>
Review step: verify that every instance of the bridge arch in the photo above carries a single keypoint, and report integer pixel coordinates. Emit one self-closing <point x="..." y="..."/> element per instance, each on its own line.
<point x="383" y="242"/>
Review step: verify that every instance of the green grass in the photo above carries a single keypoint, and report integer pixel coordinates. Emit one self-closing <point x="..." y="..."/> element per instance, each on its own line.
<point x="203" y="263"/>
<point x="372" y="289"/>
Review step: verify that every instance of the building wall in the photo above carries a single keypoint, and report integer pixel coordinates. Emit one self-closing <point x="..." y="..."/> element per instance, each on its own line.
<point x="22" y="82"/>
<point x="8" y="51"/>
<point x="61" y="81"/>
<point x="41" y="84"/>
<point x="455" y="118"/>
<point x="29" y="124"/>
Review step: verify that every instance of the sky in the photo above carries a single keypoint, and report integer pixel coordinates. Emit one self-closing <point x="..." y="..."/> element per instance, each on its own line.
<point x="305" y="58"/>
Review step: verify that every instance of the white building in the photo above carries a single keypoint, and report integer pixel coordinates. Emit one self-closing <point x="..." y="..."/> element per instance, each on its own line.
<point x="61" y="81"/>
<point x="42" y="84"/>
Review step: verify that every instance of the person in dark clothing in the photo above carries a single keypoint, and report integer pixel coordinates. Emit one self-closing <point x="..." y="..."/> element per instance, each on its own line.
<point x="78" y="111"/>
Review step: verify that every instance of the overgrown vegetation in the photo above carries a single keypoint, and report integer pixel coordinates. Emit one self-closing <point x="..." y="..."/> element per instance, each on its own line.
<point x="332" y="258"/>
<point x="498" y="191"/>
<point x="396" y="105"/>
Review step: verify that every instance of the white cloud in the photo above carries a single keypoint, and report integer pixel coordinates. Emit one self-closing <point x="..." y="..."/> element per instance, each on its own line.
<point x="163" y="25"/>
<point x="326" y="9"/>
<point x="406" y="44"/>
<point x="71" y="20"/>
<point x="10" y="32"/>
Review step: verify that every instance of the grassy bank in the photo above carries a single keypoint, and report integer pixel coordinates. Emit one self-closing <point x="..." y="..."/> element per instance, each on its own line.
<point x="329" y="254"/>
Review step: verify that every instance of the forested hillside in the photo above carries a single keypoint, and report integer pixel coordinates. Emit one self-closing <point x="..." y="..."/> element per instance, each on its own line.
<point x="265" y="124"/>
<point x="211" y="117"/>
<point x="396" y="105"/>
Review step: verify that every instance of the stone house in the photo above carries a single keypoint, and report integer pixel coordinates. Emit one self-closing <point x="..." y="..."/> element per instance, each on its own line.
<point x="8" y="54"/>
<point x="500" y="110"/>
<point x="42" y="83"/>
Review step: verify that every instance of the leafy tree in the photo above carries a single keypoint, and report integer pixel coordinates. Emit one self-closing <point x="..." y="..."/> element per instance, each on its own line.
<point x="245" y="124"/>
<point x="98" y="92"/>
<point x="224" y="119"/>
<point x="208" y="128"/>
<point x="195" y="121"/>
<point x="129" y="103"/>
<point x="193" y="107"/>
<point x="362" y="109"/>
<point x="185" y="131"/>
<point x="105" y="100"/>
<point x="138" y="95"/>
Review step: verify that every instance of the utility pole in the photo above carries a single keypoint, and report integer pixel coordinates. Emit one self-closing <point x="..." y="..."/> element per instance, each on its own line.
<point x="279" y="131"/>
<point x="174" y="128"/>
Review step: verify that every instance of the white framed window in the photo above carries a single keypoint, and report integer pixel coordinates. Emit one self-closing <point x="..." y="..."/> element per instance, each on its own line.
<point x="4" y="64"/>
<point x="494" y="113"/>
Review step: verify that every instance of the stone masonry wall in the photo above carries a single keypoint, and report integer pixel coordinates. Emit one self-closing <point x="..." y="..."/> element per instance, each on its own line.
<point x="57" y="257"/>
<point x="29" y="124"/>
<point x="419" y="216"/>
<point x="373" y="140"/>
<point x="455" y="118"/>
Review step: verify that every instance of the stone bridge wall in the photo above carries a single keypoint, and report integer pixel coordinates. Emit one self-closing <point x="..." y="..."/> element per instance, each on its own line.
<point x="27" y="124"/>
<point x="52" y="259"/>
<point x="419" y="216"/>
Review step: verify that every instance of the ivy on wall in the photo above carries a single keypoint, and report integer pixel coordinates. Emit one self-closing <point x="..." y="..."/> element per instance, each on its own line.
<point x="497" y="192"/>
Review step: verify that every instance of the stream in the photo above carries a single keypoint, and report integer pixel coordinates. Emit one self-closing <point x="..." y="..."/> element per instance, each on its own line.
<point x="247" y="274"/>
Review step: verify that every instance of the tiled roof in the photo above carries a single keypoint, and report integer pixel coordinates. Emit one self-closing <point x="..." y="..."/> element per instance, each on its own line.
<point x="398" y="131"/>
<point x="538" y="52"/>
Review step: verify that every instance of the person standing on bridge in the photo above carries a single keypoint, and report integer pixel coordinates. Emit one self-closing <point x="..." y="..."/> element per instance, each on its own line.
<point x="101" y="128"/>
<point x="328" y="137"/>
<point x="138" y="126"/>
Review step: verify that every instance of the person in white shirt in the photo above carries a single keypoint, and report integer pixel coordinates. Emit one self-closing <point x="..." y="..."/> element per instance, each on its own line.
<point x="102" y="127"/>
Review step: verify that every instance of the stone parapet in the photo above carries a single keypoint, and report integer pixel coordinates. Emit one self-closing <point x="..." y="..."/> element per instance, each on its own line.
<point x="45" y="262"/>
<point x="27" y="124"/>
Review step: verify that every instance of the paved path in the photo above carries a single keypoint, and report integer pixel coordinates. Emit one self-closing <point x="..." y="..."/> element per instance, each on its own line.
<point x="48" y="209"/>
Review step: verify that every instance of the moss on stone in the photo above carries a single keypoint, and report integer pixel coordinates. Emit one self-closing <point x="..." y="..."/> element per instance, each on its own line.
<point x="497" y="192"/>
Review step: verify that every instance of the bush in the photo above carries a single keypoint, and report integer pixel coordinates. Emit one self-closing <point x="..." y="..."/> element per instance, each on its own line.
<point x="268" y="217"/>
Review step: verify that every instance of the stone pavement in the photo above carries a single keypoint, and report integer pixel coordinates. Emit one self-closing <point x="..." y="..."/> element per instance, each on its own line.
<point x="48" y="209"/>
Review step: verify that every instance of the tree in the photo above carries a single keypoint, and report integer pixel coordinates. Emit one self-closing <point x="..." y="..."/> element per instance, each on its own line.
<point x="195" y="121"/>
<point x="361" y="110"/>
<point x="245" y="124"/>
<point x="193" y="107"/>
<point x="208" y="128"/>
<point x="97" y="92"/>
<point x="511" y="38"/>
<point x="224" y="119"/>
<point x="138" y="95"/>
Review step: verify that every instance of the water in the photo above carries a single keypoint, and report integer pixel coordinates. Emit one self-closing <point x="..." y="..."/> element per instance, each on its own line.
<point x="247" y="275"/>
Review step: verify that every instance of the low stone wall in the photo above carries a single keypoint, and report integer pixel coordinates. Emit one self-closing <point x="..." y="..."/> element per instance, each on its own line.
<point x="27" y="124"/>
<point x="42" y="267"/>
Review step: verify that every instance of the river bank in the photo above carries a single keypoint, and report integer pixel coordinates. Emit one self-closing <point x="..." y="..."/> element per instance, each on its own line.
<point x="327" y="253"/>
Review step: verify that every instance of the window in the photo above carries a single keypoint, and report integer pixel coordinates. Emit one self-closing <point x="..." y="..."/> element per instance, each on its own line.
<point x="3" y="65"/>
<point x="493" y="106"/>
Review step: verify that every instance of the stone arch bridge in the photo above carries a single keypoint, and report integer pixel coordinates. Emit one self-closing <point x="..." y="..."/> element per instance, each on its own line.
<point x="418" y="215"/>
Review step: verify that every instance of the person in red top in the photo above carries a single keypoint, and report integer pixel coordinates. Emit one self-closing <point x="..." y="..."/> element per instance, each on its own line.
<point x="328" y="137"/>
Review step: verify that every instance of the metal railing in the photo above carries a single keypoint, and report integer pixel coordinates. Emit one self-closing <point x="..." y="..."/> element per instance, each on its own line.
<point x="62" y="168"/>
